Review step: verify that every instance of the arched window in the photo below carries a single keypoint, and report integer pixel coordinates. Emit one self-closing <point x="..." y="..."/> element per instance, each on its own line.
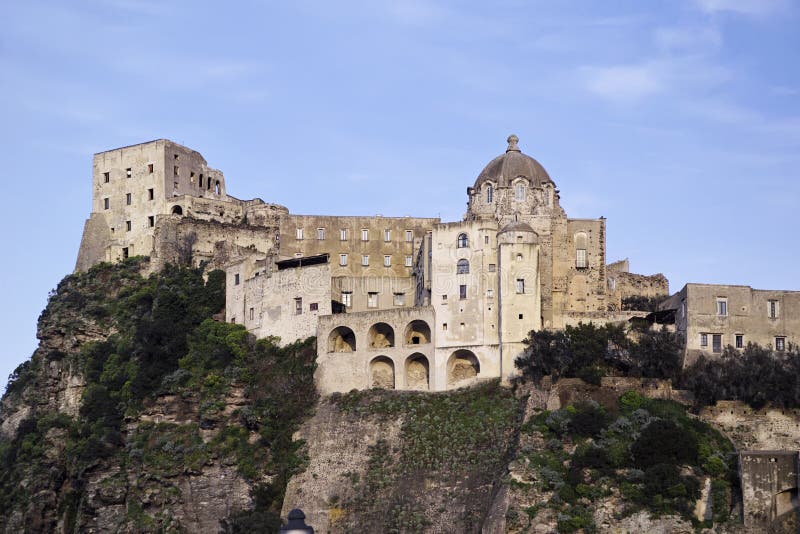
<point x="581" y="244"/>
<point x="462" y="267"/>
<point x="463" y="241"/>
<point x="519" y="191"/>
<point x="489" y="194"/>
<point x="217" y="188"/>
<point x="177" y="210"/>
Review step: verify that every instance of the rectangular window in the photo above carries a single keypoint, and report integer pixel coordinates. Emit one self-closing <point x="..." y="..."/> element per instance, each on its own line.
<point x="387" y="261"/>
<point x="125" y="253"/>
<point x="444" y="298"/>
<point x="486" y="240"/>
<point x="372" y="299"/>
<point x="128" y="199"/>
<point x="492" y="267"/>
<point x="343" y="234"/>
<point x="739" y="341"/>
<point x="364" y="234"/>
<point x="780" y="343"/>
<point x="520" y="285"/>
<point x="722" y="306"/>
<point x="703" y="340"/>
<point x="399" y="299"/>
<point x="490" y="293"/>
<point x="409" y="236"/>
<point x="127" y="226"/>
<point x="716" y="342"/>
<point x="298" y="306"/>
<point x="106" y="203"/>
<point x="175" y="157"/>
<point x="387" y="235"/>
<point x="320" y="234"/>
<point x="347" y="298"/>
<point x="314" y="306"/>
<point x="236" y="279"/>
<point x="409" y="261"/>
<point x="128" y="172"/>
<point x="444" y="327"/>
<point x="342" y="259"/>
<point x="191" y="177"/>
<point x="106" y="177"/>
<point x="151" y="220"/>
<point x="149" y="168"/>
<point x="299" y="234"/>
<point x="580" y="258"/>
<point x="365" y="260"/>
<point x="175" y="170"/>
<point x="772" y="309"/>
<point x="252" y="313"/>
<point x="462" y="291"/>
<point x="150" y="194"/>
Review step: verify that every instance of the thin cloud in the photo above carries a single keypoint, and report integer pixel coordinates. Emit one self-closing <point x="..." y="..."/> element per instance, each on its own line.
<point x="622" y="83"/>
<point x="742" y="7"/>
<point x="688" y="39"/>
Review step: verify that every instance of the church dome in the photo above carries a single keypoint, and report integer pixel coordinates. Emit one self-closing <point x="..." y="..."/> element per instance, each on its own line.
<point x="517" y="226"/>
<point x="506" y="167"/>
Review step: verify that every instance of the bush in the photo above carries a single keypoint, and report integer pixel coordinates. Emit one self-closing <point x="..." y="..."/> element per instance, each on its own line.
<point x="664" y="442"/>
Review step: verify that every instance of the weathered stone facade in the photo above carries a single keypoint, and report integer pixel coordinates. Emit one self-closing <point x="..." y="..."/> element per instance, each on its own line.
<point x="515" y="263"/>
<point x="710" y="317"/>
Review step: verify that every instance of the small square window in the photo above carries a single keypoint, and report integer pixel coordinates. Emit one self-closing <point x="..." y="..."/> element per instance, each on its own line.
<point x="387" y="261"/>
<point x="409" y="261"/>
<point x="127" y="199"/>
<point x="519" y="257"/>
<point x="444" y="298"/>
<point x="320" y="234"/>
<point x="772" y="309"/>
<point x="149" y="168"/>
<point x="444" y="327"/>
<point x="343" y="234"/>
<point x="151" y="221"/>
<point x="364" y="234"/>
<point x="127" y="226"/>
<point x="314" y="306"/>
<point x="490" y="293"/>
<point x="128" y="172"/>
<point x="409" y="236"/>
<point x="739" y="341"/>
<point x="780" y="344"/>
<point x="492" y="267"/>
<point x="175" y="157"/>
<point x="342" y="259"/>
<point x="150" y="194"/>
<point x="106" y="177"/>
<point x="372" y="299"/>
<point x="520" y="316"/>
<point x="299" y="234"/>
<point x="399" y="299"/>
<point x="365" y="260"/>
<point x="106" y="203"/>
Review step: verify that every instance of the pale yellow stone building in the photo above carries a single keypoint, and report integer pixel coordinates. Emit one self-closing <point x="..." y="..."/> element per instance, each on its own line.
<point x="403" y="302"/>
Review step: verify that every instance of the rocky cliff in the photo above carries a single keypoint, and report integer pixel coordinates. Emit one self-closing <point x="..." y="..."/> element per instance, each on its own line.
<point x="140" y="413"/>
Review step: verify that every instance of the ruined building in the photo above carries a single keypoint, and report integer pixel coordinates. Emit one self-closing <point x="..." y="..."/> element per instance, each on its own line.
<point x="399" y="302"/>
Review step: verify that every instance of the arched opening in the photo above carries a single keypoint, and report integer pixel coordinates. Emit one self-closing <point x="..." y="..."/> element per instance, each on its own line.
<point x="342" y="339"/>
<point x="217" y="187"/>
<point x="381" y="335"/>
<point x="520" y="190"/>
<point x="417" y="371"/>
<point x="462" y="241"/>
<point x="177" y="210"/>
<point x="462" y="365"/>
<point x="381" y="372"/>
<point x="418" y="333"/>
<point x="462" y="267"/>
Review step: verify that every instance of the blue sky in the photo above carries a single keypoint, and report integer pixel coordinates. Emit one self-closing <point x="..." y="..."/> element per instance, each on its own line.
<point x="679" y="121"/>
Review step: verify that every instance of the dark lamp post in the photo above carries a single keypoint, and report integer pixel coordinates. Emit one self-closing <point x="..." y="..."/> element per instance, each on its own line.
<point x="296" y="523"/>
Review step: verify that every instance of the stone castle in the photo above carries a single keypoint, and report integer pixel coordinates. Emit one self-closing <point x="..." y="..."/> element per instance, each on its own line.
<point x="402" y="302"/>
